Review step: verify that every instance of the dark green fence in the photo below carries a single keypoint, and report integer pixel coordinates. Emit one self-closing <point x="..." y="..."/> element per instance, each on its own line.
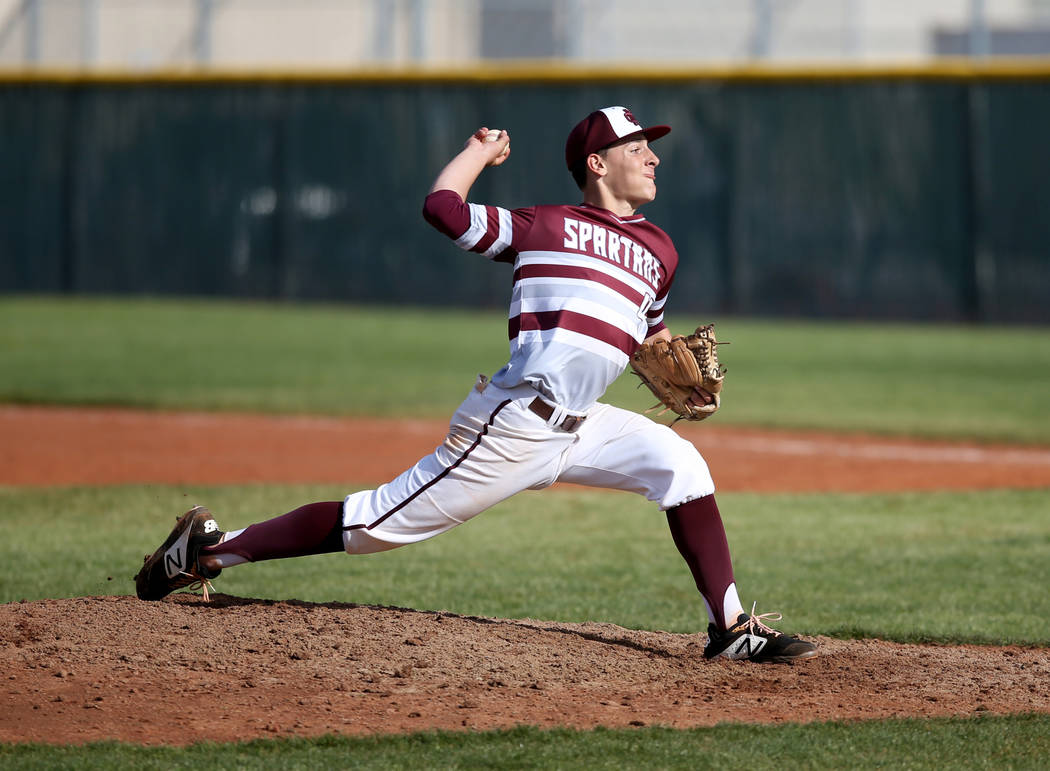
<point x="902" y="196"/>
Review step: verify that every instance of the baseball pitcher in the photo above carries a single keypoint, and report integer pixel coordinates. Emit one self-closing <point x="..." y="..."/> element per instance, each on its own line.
<point x="590" y="283"/>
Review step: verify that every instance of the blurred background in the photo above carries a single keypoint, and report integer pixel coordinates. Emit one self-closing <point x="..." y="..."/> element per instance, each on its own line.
<point x="159" y="34"/>
<point x="830" y="158"/>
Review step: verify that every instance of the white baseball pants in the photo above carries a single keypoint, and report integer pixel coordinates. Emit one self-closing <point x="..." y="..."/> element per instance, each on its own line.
<point x="496" y="447"/>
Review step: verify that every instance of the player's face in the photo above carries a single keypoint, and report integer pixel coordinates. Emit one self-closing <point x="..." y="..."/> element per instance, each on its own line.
<point x="631" y="171"/>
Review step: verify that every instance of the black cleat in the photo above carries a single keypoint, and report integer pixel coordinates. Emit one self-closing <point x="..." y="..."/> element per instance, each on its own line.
<point x="751" y="640"/>
<point x="175" y="564"/>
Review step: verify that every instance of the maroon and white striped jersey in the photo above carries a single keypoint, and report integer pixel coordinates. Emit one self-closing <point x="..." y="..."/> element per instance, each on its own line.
<point x="589" y="287"/>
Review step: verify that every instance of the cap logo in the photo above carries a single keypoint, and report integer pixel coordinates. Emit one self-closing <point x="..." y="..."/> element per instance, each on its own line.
<point x="629" y="117"/>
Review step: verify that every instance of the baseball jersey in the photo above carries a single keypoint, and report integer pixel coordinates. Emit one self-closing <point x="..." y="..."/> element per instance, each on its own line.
<point x="588" y="288"/>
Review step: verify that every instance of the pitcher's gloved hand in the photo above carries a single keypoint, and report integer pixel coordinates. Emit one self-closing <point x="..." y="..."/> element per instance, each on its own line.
<point x="676" y="369"/>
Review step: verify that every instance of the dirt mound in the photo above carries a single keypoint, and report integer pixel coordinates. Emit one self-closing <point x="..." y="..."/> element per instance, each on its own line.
<point x="181" y="671"/>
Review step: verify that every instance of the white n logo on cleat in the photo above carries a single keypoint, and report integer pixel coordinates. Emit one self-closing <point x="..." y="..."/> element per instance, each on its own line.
<point x="173" y="562"/>
<point x="175" y="556"/>
<point x="745" y="647"/>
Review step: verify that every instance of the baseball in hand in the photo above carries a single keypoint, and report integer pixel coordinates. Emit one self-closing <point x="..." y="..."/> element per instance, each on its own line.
<point x="493" y="136"/>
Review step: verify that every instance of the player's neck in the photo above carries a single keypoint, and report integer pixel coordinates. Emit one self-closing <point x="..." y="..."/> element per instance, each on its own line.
<point x="600" y="197"/>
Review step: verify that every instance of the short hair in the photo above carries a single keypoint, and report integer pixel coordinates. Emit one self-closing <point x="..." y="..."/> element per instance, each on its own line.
<point x="579" y="171"/>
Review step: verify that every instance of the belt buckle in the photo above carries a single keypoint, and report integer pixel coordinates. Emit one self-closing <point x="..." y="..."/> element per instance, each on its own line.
<point x="571" y="423"/>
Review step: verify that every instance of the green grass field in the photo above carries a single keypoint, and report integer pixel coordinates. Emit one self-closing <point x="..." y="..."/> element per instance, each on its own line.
<point x="918" y="380"/>
<point x="983" y="743"/>
<point x="945" y="567"/>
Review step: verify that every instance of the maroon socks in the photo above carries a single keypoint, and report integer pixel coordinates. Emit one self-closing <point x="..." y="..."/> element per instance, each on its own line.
<point x="697" y="530"/>
<point x="316" y="528"/>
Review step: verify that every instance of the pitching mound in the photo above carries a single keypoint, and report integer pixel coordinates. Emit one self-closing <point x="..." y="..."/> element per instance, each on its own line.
<point x="181" y="671"/>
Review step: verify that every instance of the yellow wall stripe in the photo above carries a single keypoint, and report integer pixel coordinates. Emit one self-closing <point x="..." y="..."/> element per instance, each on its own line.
<point x="517" y="73"/>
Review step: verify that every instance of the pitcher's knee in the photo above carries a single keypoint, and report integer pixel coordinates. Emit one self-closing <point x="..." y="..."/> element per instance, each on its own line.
<point x="687" y="485"/>
<point x="687" y="475"/>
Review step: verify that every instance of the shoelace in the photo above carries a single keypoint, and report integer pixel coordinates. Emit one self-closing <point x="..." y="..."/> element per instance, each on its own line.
<point x="199" y="582"/>
<point x="754" y="623"/>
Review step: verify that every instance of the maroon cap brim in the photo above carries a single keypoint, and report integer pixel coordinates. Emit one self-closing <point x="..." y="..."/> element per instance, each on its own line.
<point x="655" y="132"/>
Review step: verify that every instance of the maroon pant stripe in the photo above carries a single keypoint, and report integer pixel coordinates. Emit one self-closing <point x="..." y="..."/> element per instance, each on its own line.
<point x="438" y="478"/>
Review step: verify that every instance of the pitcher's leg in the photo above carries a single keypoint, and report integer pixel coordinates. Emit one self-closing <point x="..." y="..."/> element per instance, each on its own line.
<point x="495" y="447"/>
<point x="623" y="450"/>
<point x="627" y="451"/>
<point x="316" y="528"/>
<point x="698" y="532"/>
<point x="487" y="457"/>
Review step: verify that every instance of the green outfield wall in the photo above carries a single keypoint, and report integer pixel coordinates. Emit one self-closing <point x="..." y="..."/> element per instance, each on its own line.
<point x="897" y="194"/>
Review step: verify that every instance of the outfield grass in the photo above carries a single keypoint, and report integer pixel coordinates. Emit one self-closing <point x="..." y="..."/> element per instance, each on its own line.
<point x="983" y="383"/>
<point x="981" y="743"/>
<point x="947" y="567"/>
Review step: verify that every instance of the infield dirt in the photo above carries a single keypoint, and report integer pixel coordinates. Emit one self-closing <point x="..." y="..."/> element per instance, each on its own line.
<point x="181" y="670"/>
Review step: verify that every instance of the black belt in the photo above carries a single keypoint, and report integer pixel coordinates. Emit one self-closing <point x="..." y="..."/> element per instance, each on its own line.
<point x="544" y="410"/>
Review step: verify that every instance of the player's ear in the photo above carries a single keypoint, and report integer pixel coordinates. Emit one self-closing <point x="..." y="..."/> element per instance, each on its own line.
<point x="596" y="164"/>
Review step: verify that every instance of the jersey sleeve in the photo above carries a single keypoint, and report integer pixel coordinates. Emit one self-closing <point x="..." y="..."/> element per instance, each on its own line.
<point x="654" y="315"/>
<point x="491" y="231"/>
